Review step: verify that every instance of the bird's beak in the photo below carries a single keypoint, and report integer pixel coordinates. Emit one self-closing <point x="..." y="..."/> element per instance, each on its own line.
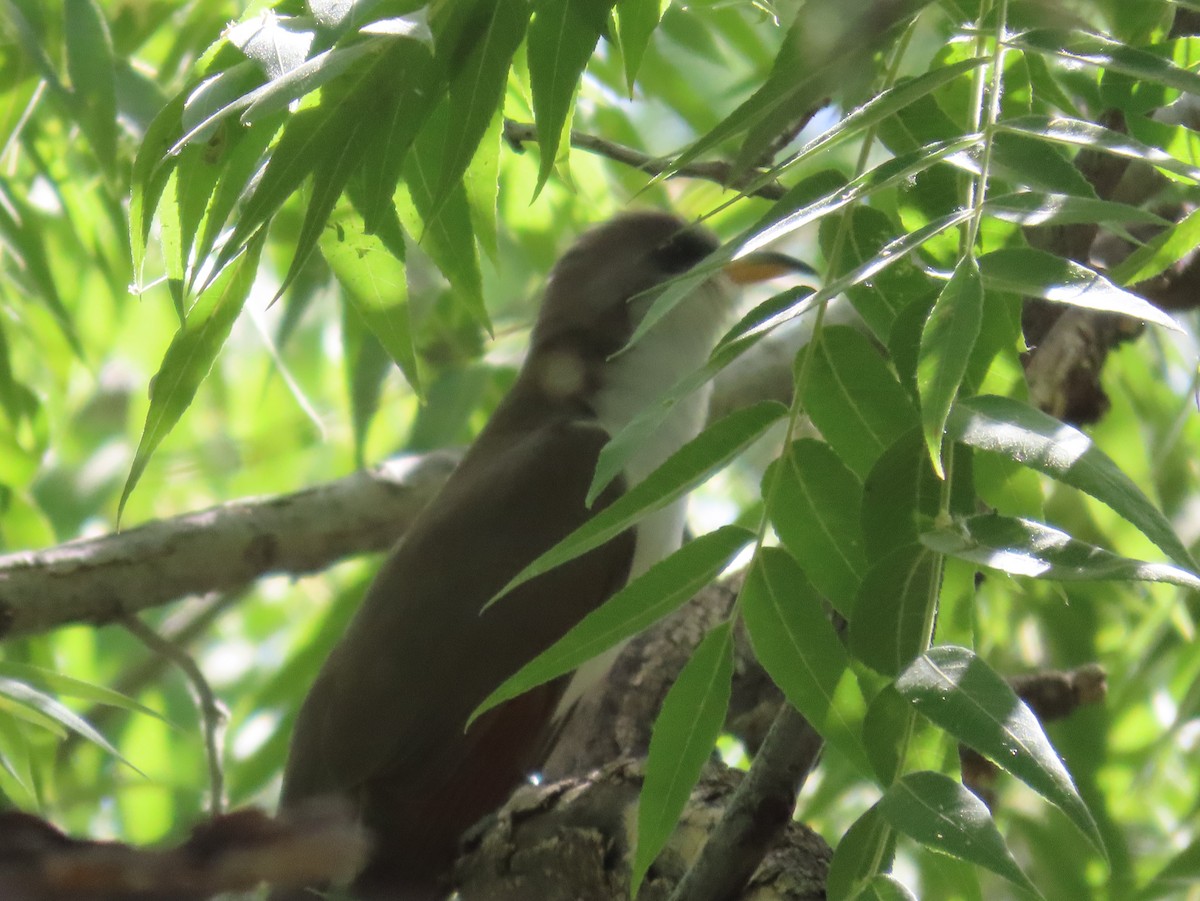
<point x="763" y="265"/>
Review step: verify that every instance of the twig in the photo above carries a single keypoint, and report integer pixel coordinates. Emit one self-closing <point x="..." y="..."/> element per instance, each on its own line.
<point x="213" y="714"/>
<point x="520" y="133"/>
<point x="757" y="813"/>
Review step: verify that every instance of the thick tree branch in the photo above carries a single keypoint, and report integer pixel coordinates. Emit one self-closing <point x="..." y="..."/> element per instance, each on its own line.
<point x="220" y="549"/>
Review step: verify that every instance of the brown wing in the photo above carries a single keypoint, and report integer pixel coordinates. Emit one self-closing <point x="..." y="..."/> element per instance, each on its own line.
<point x="394" y="696"/>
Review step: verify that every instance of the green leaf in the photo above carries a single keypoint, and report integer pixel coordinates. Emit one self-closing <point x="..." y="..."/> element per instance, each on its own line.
<point x="659" y="591"/>
<point x="1105" y="53"/>
<point x="692" y="464"/>
<point x="443" y="228"/>
<point x="24" y="695"/>
<point x="892" y="620"/>
<point x="1033" y="208"/>
<point x="865" y="851"/>
<point x="797" y="208"/>
<point x="477" y="85"/>
<point x="942" y="815"/>
<point x="375" y="285"/>
<point x="151" y="168"/>
<point x="1178" y="876"/>
<point x="880" y="106"/>
<point x="901" y="491"/>
<point x="1027" y="548"/>
<point x="93" y="86"/>
<point x="963" y="695"/>
<point x="636" y="22"/>
<point x="190" y="356"/>
<point x="1080" y="133"/>
<point x="854" y="398"/>
<point x="796" y="644"/>
<point x="562" y="36"/>
<point x="1033" y="439"/>
<point x="946" y="344"/>
<point x="1039" y="274"/>
<point x="885" y="887"/>
<point x="684" y="736"/>
<point x="859" y="243"/>
<point x="49" y="680"/>
<point x="813" y="502"/>
<point x="419" y="86"/>
<point x="1160" y="252"/>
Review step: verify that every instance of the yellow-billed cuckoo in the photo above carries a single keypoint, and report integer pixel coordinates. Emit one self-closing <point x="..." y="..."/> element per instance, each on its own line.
<point x="383" y="725"/>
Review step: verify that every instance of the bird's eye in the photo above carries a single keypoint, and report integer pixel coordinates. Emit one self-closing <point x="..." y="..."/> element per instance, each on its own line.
<point x="683" y="251"/>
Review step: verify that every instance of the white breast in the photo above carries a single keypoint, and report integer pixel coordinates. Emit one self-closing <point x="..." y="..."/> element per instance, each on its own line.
<point x="677" y="346"/>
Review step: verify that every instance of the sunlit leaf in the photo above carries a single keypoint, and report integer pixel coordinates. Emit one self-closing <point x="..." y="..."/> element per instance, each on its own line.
<point x="562" y="36"/>
<point x="939" y="813"/>
<point x="961" y="693"/>
<point x="1027" y="548"/>
<point x="190" y="356"/>
<point x="1037" y="273"/>
<point x="946" y="344"/>
<point x="1032" y="438"/>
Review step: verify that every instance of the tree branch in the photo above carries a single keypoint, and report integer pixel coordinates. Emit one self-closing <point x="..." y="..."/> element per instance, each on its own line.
<point x="220" y="549"/>
<point x="519" y="134"/>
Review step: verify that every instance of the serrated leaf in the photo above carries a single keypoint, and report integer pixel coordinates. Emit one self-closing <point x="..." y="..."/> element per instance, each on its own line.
<point x="24" y="695"/>
<point x="942" y="815"/>
<point x="375" y="285"/>
<point x="796" y="644"/>
<point x="900" y="489"/>
<point x="959" y="692"/>
<point x="190" y="356"/>
<point x="1037" y="273"/>
<point x="93" y="85"/>
<point x="659" y="591"/>
<point x="813" y="501"/>
<point x="683" y="739"/>
<point x="853" y="398"/>
<point x="443" y="228"/>
<point x="419" y="85"/>
<point x="1027" y="548"/>
<point x="476" y="87"/>
<point x="688" y="467"/>
<point x="636" y="22"/>
<point x="1080" y="133"/>
<point x="561" y="39"/>
<point x="946" y="343"/>
<point x="1032" y="438"/>
<point x="892" y="620"/>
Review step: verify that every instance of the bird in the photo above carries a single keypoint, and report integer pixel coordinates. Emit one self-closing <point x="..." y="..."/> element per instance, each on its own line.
<point x="382" y="727"/>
